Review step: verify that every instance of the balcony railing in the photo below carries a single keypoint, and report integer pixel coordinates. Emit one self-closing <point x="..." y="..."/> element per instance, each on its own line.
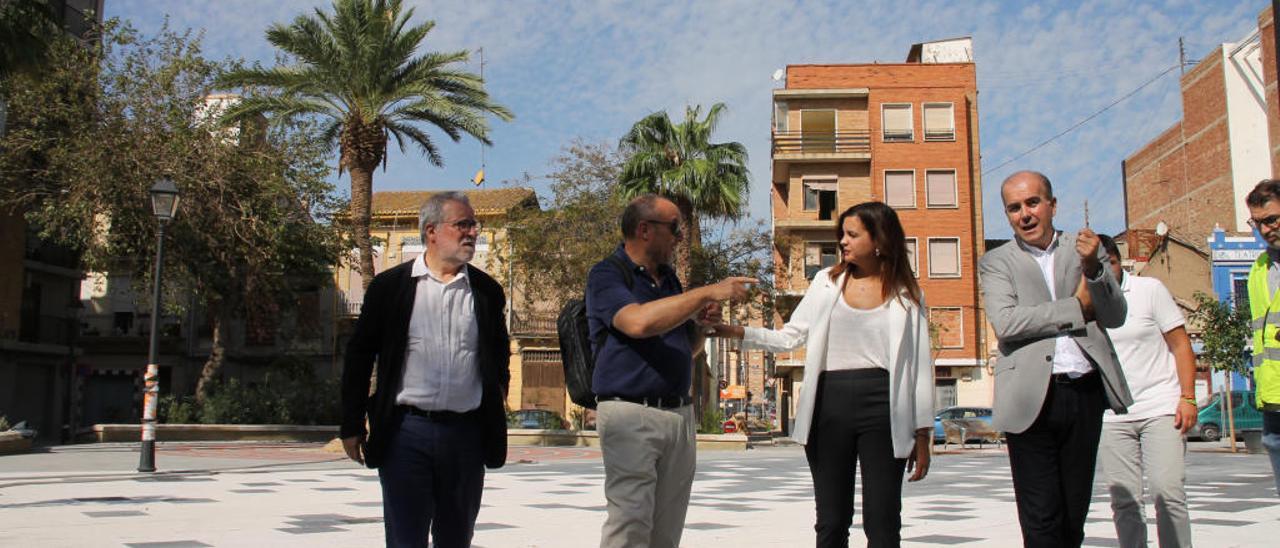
<point x="821" y="142"/>
<point x="533" y="325"/>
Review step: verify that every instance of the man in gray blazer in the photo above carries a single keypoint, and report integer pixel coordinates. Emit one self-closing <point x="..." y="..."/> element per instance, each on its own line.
<point x="1048" y="297"/>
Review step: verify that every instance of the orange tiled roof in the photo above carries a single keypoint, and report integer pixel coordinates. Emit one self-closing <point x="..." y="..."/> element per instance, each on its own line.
<point x="485" y="202"/>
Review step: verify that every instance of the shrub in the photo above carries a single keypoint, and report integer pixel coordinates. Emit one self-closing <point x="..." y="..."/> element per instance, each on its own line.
<point x="712" y="421"/>
<point x="288" y="394"/>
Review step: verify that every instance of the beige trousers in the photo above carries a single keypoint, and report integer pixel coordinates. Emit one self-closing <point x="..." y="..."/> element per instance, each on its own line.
<point x="649" y="458"/>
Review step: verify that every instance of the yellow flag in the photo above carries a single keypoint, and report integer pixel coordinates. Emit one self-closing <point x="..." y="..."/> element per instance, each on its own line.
<point x="479" y="178"/>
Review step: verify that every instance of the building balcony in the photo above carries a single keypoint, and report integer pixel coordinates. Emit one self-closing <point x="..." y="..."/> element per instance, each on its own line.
<point x="533" y="325"/>
<point x="821" y="146"/>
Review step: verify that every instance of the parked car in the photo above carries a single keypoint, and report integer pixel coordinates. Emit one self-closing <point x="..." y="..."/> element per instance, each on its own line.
<point x="1211" y="422"/>
<point x="537" y="419"/>
<point x="952" y="413"/>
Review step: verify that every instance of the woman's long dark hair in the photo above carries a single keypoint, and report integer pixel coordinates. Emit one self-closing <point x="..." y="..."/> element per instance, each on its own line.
<point x="882" y="224"/>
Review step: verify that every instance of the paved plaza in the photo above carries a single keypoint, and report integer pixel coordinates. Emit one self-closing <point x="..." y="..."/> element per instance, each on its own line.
<point x="228" y="494"/>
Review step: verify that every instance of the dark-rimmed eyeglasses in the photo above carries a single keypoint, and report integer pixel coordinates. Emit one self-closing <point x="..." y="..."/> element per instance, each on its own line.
<point x="1272" y="222"/>
<point x="465" y="225"/>
<point x="674" y="226"/>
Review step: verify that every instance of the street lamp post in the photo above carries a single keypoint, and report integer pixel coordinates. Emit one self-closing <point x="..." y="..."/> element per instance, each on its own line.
<point x="164" y="205"/>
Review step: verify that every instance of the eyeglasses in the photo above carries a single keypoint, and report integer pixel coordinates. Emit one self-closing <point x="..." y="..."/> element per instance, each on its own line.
<point x="1271" y="222"/>
<point x="465" y="225"/>
<point x="674" y="226"/>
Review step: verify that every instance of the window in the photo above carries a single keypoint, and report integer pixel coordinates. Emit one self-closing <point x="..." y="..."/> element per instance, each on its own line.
<point x="818" y="130"/>
<point x="820" y="196"/>
<point x="1240" y="292"/>
<point x="780" y="116"/>
<point x="900" y="189"/>
<point x="911" y="256"/>
<point x="940" y="188"/>
<point x="939" y="122"/>
<point x="819" y="255"/>
<point x="946" y="327"/>
<point x="897" y="122"/>
<point x="944" y="257"/>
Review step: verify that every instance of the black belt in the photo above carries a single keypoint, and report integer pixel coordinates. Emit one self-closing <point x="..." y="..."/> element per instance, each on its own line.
<point x="439" y="416"/>
<point x="1066" y="378"/>
<point x="663" y="402"/>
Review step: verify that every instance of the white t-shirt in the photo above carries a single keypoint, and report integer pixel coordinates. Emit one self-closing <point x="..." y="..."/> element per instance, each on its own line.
<point x="857" y="338"/>
<point x="1148" y="364"/>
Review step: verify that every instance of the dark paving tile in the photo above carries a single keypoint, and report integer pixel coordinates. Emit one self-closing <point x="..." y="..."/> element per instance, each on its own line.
<point x="559" y="506"/>
<point x="1235" y="506"/>
<point x="942" y="539"/>
<point x="579" y="484"/>
<point x="307" y="518"/>
<point x="262" y="484"/>
<point x="168" y="544"/>
<point x="114" y="513"/>
<point x="562" y="492"/>
<point x="946" y="508"/>
<point x="1220" y="522"/>
<point x="178" y="500"/>
<point x="1097" y="541"/>
<point x="357" y="521"/>
<point x="333" y="489"/>
<point x="366" y="504"/>
<point x="303" y="480"/>
<point x="253" y="490"/>
<point x="492" y="526"/>
<point x="944" y="517"/>
<point x="706" y="526"/>
<point x="308" y="530"/>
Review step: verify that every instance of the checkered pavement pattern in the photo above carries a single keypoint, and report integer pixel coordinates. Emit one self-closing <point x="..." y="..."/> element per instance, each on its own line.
<point x="761" y="497"/>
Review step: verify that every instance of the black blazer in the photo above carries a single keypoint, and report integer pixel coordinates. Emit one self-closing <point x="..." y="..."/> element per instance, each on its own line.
<point x="381" y="335"/>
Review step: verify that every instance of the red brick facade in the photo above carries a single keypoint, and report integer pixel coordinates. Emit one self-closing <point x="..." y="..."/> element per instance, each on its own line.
<point x="954" y="298"/>
<point x="1266" y="28"/>
<point x="1183" y="177"/>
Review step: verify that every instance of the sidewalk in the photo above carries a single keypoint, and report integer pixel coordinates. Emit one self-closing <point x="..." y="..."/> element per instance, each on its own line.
<point x="296" y="495"/>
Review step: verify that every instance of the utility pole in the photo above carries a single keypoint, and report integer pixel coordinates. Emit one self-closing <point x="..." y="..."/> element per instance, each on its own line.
<point x="1182" y="56"/>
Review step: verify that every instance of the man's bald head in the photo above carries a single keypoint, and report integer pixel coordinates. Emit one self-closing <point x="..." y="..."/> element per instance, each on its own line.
<point x="1028" y="175"/>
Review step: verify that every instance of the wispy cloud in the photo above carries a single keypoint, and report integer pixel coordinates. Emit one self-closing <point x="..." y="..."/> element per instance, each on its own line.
<point x="590" y="69"/>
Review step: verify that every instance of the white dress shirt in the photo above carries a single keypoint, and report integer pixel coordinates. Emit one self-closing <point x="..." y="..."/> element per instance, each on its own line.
<point x="1068" y="357"/>
<point x="441" y="369"/>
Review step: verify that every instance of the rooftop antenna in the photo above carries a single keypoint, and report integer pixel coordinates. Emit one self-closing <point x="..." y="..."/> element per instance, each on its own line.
<point x="478" y="179"/>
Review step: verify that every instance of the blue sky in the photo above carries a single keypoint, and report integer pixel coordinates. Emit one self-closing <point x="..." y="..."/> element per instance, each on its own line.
<point x="588" y="70"/>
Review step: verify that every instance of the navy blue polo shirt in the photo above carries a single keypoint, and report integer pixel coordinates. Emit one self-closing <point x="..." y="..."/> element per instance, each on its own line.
<point x="658" y="366"/>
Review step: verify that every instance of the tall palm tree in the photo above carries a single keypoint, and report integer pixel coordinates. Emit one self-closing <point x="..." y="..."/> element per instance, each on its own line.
<point x="679" y="162"/>
<point x="357" y="70"/>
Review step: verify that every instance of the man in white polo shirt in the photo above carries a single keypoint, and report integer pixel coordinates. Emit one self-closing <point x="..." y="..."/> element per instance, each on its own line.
<point x="1155" y="354"/>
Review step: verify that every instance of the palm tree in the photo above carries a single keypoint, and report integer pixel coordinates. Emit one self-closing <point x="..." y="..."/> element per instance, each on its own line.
<point x="357" y="70"/>
<point x="679" y="162"/>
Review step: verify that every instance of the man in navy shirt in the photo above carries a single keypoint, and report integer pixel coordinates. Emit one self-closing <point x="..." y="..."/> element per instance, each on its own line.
<point x="643" y="372"/>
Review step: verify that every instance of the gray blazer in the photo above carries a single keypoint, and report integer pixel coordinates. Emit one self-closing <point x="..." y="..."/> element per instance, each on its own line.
<point x="1027" y="322"/>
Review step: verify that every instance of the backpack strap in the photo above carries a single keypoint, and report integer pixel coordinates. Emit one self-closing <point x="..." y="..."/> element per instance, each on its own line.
<point x="629" y="279"/>
<point x="628" y="276"/>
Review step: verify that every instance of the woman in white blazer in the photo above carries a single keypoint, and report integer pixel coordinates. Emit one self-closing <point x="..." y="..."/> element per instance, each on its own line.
<point x="868" y="378"/>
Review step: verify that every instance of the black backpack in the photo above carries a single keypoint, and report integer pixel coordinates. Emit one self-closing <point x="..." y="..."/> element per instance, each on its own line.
<point x="575" y="343"/>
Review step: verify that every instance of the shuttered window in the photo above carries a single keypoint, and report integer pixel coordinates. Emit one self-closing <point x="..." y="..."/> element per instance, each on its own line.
<point x="940" y="188"/>
<point x="897" y="122"/>
<point x="900" y="189"/>
<point x="939" y="122"/>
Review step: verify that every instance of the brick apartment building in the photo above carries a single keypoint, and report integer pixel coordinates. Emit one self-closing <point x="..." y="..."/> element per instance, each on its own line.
<point x="905" y="134"/>
<point x="1196" y="173"/>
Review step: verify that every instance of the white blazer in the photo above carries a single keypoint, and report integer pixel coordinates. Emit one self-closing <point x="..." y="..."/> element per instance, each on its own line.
<point x="910" y="367"/>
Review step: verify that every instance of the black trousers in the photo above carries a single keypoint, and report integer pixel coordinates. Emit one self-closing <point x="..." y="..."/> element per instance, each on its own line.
<point x="432" y="480"/>
<point x="851" y="426"/>
<point x="1053" y="463"/>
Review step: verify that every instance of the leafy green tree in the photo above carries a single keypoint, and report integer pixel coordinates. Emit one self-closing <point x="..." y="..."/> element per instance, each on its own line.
<point x="554" y="248"/>
<point x="356" y="69"/>
<point x="94" y="132"/>
<point x="28" y="29"/>
<point x="1225" y="337"/>
<point x="679" y="162"/>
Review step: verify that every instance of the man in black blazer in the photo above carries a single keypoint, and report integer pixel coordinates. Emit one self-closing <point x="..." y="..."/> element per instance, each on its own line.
<point x="435" y="326"/>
